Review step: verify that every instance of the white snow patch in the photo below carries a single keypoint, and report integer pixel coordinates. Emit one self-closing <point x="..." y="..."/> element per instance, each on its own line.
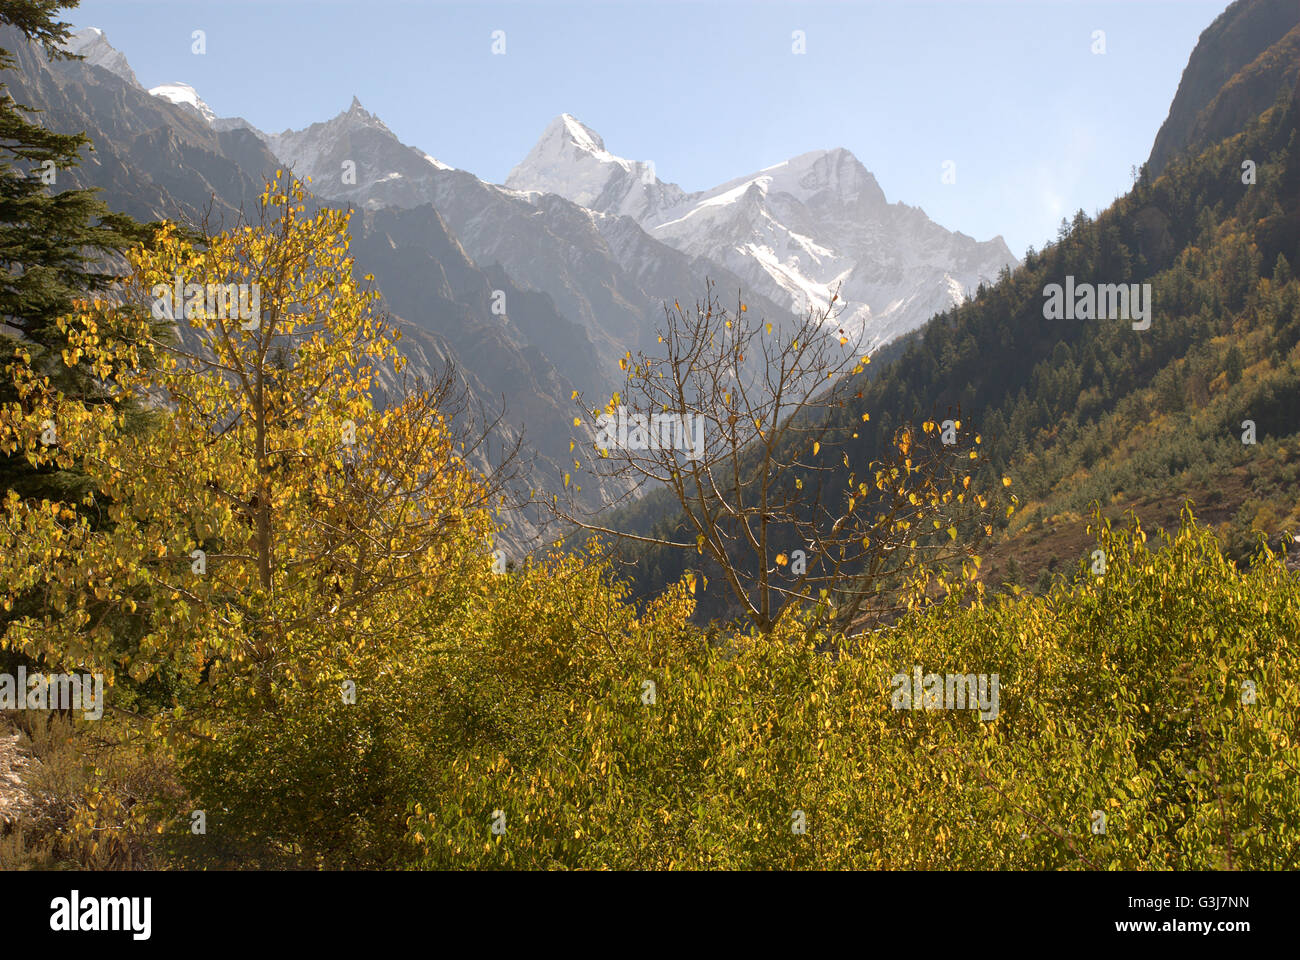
<point x="721" y="200"/>
<point x="184" y="93"/>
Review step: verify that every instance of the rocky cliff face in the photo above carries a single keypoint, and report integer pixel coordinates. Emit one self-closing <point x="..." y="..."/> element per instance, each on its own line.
<point x="1239" y="64"/>
<point x="92" y="45"/>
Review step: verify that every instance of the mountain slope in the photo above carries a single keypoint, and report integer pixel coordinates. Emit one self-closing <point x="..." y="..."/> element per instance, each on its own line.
<point x="1239" y="41"/>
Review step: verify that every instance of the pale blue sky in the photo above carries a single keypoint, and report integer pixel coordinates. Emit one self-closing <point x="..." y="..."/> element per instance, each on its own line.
<point x="1037" y="125"/>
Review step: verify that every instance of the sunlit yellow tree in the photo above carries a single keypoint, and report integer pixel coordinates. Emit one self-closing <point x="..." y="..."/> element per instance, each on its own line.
<point x="268" y="523"/>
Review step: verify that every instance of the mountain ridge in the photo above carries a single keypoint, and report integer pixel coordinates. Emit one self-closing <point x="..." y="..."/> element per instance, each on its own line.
<point x="799" y="231"/>
<point x="1242" y="34"/>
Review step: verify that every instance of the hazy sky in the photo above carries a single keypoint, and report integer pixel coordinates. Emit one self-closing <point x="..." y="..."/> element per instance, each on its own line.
<point x="1036" y="124"/>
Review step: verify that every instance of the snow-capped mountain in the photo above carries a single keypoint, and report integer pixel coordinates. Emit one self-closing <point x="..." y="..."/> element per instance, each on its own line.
<point x="794" y="234"/>
<point x="797" y="232"/>
<point x="355" y="157"/>
<point x="186" y="95"/>
<point x="570" y="159"/>
<point x="92" y="44"/>
<point x="612" y="284"/>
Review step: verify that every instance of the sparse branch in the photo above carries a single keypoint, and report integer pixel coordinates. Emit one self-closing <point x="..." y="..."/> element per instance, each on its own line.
<point x="747" y="423"/>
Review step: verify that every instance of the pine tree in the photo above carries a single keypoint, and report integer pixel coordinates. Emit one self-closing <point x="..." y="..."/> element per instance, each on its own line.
<point x="1011" y="575"/>
<point x="1233" y="365"/>
<point x="55" y="246"/>
<point x="1281" y="271"/>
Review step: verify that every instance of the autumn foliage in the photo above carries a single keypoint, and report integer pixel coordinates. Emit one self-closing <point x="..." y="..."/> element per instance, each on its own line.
<point x="293" y="596"/>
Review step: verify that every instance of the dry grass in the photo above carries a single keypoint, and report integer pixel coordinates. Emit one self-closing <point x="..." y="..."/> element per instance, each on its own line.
<point x="79" y="795"/>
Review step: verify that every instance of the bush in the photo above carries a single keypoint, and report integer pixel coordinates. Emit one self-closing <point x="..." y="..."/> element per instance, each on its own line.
<point x="1161" y="695"/>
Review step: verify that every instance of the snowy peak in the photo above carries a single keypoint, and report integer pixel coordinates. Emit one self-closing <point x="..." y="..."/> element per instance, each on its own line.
<point x="355" y="157"/>
<point x="798" y="232"/>
<point x="832" y="182"/>
<point x="818" y="224"/>
<point x="357" y="115"/>
<point x="574" y="131"/>
<point x="570" y="160"/>
<point x="837" y="173"/>
<point x="354" y="120"/>
<point x="92" y="45"/>
<point x="183" y="93"/>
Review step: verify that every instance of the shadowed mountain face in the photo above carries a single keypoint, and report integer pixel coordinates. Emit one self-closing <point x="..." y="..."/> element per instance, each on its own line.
<point x="1241" y="61"/>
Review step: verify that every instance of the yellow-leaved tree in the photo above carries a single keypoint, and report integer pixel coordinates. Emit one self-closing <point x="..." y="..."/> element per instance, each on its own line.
<point x="265" y="525"/>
